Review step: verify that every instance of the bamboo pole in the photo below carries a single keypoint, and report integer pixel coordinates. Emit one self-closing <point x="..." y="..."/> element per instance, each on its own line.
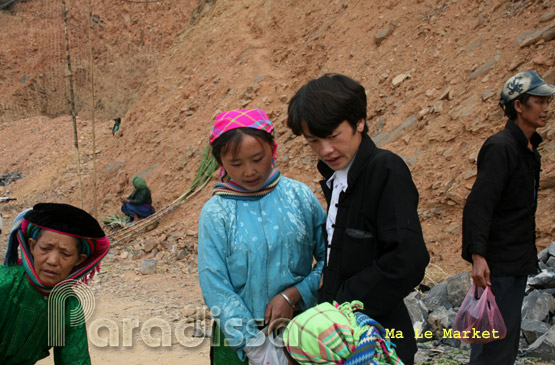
<point x="72" y="103"/>
<point x="91" y="60"/>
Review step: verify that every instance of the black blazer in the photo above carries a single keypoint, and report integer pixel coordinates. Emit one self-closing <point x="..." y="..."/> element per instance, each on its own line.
<point x="378" y="254"/>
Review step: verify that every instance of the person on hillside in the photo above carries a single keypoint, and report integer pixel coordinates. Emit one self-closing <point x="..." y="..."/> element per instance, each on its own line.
<point x="375" y="249"/>
<point x="138" y="205"/>
<point x="499" y="215"/>
<point x="258" y="237"/>
<point x="59" y="244"/>
<point x="115" y="128"/>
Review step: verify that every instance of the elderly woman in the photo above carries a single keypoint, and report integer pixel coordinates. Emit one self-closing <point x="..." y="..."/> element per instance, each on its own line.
<point x="139" y="204"/>
<point x="59" y="244"/>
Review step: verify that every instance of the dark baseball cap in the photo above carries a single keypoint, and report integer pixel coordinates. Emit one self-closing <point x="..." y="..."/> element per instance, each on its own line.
<point x="527" y="82"/>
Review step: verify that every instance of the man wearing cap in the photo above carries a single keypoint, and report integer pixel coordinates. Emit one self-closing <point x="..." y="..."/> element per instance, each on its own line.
<point x="499" y="214"/>
<point x="49" y="245"/>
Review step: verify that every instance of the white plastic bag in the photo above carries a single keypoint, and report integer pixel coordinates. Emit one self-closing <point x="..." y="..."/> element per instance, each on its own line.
<point x="266" y="350"/>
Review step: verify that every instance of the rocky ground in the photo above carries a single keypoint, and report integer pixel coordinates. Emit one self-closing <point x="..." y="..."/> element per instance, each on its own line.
<point x="432" y="69"/>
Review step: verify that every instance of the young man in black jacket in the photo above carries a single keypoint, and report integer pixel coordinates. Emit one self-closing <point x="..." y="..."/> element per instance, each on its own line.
<point x="375" y="249"/>
<point x="499" y="215"/>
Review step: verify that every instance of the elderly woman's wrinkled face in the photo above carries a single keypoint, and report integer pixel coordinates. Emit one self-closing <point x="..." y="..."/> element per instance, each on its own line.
<point x="54" y="256"/>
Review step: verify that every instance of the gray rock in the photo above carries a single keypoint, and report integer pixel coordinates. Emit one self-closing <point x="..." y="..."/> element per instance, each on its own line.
<point x="148" y="266"/>
<point x="488" y="94"/>
<point x="551" y="249"/>
<point x="437" y="297"/>
<point x="548" y="33"/>
<point x="543" y="255"/>
<point x="477" y="43"/>
<point x="482" y="69"/>
<point x="522" y="36"/>
<point x="383" y="34"/>
<point x="544" y="346"/>
<point x="417" y="310"/>
<point x="387" y="137"/>
<point x="532" y="38"/>
<point x="537" y="305"/>
<point x="547" y="17"/>
<point x="441" y="319"/>
<point x="551" y="262"/>
<point x="181" y="254"/>
<point x="542" y="266"/>
<point x="447" y="94"/>
<point x="467" y="108"/>
<point x="545" y="279"/>
<point x="149" y="245"/>
<point x="457" y="287"/>
<point x="532" y="330"/>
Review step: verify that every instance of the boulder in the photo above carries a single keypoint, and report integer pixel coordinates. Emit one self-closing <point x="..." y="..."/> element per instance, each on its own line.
<point x="383" y="34"/>
<point x="148" y="266"/>
<point x="548" y="33"/>
<point x="441" y="319"/>
<point x="544" y="346"/>
<point x="417" y="310"/>
<point x="482" y="69"/>
<point x="437" y="297"/>
<point x="545" y="279"/>
<point x="532" y="329"/>
<point x="537" y="305"/>
<point x="543" y="255"/>
<point x="387" y="137"/>
<point x="457" y="287"/>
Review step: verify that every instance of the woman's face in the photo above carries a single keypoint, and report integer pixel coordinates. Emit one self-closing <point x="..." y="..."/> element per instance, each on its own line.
<point x="54" y="255"/>
<point x="251" y="164"/>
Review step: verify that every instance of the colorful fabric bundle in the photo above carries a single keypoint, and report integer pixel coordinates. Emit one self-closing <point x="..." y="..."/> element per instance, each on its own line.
<point x="324" y="334"/>
<point x="335" y="334"/>
<point x="372" y="348"/>
<point x="63" y="219"/>
<point x="231" y="190"/>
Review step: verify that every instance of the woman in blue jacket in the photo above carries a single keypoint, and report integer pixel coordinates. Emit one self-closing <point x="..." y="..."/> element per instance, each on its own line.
<point x="258" y="237"/>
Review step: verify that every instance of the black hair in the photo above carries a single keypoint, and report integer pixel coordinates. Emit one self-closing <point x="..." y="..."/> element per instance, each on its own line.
<point x="230" y="140"/>
<point x="79" y="244"/>
<point x="510" y="110"/>
<point x="326" y="102"/>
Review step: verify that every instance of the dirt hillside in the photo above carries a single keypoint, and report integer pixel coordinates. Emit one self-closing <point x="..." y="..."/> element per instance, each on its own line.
<point x="168" y="68"/>
<point x="432" y="69"/>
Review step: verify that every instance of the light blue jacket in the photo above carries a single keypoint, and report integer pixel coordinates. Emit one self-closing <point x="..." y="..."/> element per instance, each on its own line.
<point x="249" y="251"/>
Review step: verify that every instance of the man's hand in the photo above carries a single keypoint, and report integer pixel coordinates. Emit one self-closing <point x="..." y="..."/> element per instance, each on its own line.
<point x="124" y="200"/>
<point x="480" y="271"/>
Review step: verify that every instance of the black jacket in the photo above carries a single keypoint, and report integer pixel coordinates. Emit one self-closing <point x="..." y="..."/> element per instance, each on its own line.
<point x="378" y="254"/>
<point x="499" y="215"/>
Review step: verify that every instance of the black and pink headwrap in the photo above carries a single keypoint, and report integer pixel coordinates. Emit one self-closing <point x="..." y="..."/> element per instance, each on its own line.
<point x="64" y="219"/>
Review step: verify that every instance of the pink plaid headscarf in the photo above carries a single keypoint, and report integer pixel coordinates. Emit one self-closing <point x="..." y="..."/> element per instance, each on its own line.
<point x="242" y="118"/>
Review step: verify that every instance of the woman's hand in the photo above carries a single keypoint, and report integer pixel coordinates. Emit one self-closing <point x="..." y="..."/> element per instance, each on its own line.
<point x="279" y="307"/>
<point x="124" y="200"/>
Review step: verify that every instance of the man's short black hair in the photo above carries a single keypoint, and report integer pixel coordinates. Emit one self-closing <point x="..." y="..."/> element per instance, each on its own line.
<point x="510" y="110"/>
<point x="326" y="102"/>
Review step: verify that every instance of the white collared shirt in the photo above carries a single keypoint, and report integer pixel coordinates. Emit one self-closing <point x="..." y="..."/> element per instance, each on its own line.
<point x="339" y="182"/>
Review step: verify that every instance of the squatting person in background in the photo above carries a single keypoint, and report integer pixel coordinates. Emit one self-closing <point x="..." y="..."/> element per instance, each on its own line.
<point x="499" y="225"/>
